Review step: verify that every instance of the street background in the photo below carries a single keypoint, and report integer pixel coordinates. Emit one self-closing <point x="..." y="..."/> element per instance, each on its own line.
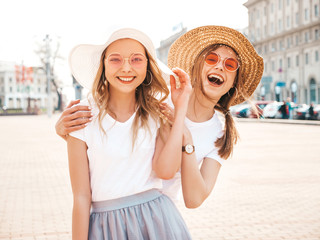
<point x="269" y="190"/>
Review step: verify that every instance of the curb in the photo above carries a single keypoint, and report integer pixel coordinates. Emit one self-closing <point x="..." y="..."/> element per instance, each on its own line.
<point x="282" y="121"/>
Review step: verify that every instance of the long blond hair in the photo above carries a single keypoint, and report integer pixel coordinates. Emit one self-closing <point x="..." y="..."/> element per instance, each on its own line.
<point x="226" y="142"/>
<point x="148" y="96"/>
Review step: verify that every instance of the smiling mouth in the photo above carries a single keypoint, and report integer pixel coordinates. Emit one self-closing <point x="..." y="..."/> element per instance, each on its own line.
<point x="126" y="79"/>
<point x="215" y="80"/>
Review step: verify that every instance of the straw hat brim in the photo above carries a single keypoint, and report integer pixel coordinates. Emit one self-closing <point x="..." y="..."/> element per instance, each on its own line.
<point x="185" y="50"/>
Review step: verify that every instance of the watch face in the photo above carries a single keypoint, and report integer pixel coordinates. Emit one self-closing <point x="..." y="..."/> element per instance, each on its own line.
<point x="189" y="148"/>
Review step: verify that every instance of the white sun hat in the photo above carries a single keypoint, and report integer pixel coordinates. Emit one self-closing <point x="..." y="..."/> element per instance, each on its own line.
<point x="84" y="59"/>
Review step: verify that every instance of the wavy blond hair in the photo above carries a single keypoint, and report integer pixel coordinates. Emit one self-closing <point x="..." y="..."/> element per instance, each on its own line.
<point x="148" y="97"/>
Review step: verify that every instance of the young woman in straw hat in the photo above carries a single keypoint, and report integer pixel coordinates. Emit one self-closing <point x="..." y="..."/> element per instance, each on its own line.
<point x="225" y="70"/>
<point x="116" y="162"/>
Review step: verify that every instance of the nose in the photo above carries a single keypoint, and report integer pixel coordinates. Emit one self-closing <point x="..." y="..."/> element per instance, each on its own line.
<point x="126" y="67"/>
<point x="219" y="65"/>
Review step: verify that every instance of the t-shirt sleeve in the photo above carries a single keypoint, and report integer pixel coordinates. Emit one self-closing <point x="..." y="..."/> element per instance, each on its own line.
<point x="80" y="134"/>
<point x="215" y="156"/>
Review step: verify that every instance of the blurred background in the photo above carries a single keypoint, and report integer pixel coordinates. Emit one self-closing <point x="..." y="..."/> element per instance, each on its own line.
<point x="37" y="36"/>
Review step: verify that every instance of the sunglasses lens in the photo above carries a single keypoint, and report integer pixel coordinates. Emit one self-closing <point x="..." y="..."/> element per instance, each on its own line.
<point x="231" y="64"/>
<point x="212" y="59"/>
<point x="137" y="60"/>
<point x="115" y="60"/>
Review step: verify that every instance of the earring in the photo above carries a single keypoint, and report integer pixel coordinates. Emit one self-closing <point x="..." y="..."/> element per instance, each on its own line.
<point x="150" y="80"/>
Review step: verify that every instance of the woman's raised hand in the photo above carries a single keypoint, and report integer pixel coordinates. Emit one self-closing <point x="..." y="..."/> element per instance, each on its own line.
<point x="73" y="118"/>
<point x="180" y="94"/>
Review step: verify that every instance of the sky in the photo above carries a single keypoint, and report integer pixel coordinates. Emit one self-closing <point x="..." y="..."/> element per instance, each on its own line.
<point x="24" y="23"/>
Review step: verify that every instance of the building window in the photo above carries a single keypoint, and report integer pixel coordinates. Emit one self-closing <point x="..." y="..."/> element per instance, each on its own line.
<point x="272" y="65"/>
<point x="288" y="2"/>
<point x="297" y="60"/>
<point x="306" y="37"/>
<point x="258" y="14"/>
<point x="280" y="24"/>
<point x="306" y="14"/>
<point x="288" y="42"/>
<point x="317" y="56"/>
<point x="10" y="89"/>
<point x="280" y="4"/>
<point x="265" y="11"/>
<point x="271" y="7"/>
<point x="280" y="64"/>
<point x="316" y="10"/>
<point x="281" y="45"/>
<point x="273" y="47"/>
<point x="297" y="40"/>
<point x="39" y="90"/>
<point x="297" y="18"/>
<point x="265" y="30"/>
<point x="10" y="79"/>
<point x="316" y="34"/>
<point x="288" y="61"/>
<point x="265" y="67"/>
<point x="307" y="58"/>
<point x="266" y="48"/>
<point x="288" y="21"/>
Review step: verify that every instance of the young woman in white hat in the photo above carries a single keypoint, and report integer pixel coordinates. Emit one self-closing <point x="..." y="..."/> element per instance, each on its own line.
<point x="116" y="162"/>
<point x="225" y="70"/>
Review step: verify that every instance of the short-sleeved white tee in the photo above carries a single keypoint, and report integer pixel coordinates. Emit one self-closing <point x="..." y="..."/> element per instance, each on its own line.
<point x="204" y="135"/>
<point x="117" y="170"/>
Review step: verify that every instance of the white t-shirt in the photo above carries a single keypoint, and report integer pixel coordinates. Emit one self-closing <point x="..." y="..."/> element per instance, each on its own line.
<point x="204" y="135"/>
<point x="115" y="169"/>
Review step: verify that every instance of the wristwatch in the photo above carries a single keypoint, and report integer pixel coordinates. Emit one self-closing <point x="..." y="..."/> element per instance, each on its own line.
<point x="188" y="149"/>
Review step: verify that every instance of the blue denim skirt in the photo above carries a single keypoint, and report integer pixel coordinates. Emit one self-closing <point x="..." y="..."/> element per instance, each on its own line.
<point x="147" y="215"/>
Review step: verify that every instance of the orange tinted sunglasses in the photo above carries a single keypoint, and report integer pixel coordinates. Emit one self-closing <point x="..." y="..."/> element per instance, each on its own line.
<point x="230" y="64"/>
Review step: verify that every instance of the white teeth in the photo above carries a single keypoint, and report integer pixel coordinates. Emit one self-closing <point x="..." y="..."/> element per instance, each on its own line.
<point x="216" y="76"/>
<point x="126" y="79"/>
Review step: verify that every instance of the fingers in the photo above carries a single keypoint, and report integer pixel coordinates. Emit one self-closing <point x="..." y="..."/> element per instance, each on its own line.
<point x="76" y="115"/>
<point x="80" y="122"/>
<point x="73" y="102"/>
<point x="76" y="108"/>
<point x="75" y="128"/>
<point x="172" y="82"/>
<point x="182" y="75"/>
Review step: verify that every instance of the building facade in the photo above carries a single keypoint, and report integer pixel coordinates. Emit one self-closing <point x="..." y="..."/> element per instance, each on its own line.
<point x="23" y="87"/>
<point x="163" y="50"/>
<point x="286" y="33"/>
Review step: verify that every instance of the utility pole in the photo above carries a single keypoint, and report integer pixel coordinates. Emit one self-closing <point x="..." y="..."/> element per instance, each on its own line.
<point x="48" y="72"/>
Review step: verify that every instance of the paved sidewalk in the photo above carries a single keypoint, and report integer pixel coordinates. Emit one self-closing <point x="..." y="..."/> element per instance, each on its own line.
<point x="269" y="190"/>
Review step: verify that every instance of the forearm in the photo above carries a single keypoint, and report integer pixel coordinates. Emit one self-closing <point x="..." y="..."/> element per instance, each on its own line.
<point x="80" y="217"/>
<point x="169" y="160"/>
<point x="194" y="187"/>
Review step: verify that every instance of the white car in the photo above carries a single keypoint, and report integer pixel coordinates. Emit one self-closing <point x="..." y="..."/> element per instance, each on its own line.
<point x="271" y="110"/>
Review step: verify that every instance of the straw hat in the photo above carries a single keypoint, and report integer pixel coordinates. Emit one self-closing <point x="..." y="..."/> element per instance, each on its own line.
<point x="185" y="50"/>
<point x="84" y="59"/>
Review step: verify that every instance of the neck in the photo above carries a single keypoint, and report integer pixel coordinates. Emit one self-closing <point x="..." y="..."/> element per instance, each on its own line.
<point x="123" y="105"/>
<point x="200" y="109"/>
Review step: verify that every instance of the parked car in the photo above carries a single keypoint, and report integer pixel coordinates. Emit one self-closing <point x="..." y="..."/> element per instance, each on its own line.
<point x="241" y="110"/>
<point x="271" y="110"/>
<point x="260" y="105"/>
<point x="301" y="111"/>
